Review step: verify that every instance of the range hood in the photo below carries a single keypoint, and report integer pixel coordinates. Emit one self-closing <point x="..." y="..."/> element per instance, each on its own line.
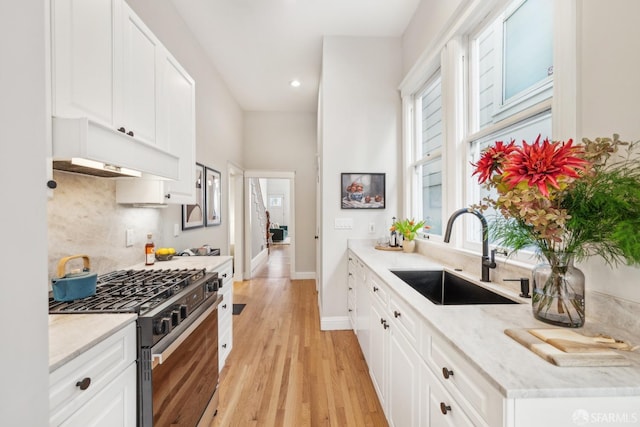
<point x="83" y="146"/>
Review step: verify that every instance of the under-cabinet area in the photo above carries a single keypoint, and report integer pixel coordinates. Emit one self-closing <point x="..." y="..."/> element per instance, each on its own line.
<point x="453" y="365"/>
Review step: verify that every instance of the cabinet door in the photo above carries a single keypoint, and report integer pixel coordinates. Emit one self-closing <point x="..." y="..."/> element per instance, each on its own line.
<point x="177" y="121"/>
<point x="85" y="68"/>
<point x="140" y="85"/>
<point x="363" y="316"/>
<point x="404" y="375"/>
<point x="114" y="405"/>
<point x="378" y="351"/>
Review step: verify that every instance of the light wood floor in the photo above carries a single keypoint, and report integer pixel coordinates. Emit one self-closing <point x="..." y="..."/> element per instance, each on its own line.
<point x="284" y="371"/>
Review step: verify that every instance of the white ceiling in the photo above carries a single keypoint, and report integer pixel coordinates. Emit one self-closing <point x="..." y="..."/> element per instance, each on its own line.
<point x="259" y="46"/>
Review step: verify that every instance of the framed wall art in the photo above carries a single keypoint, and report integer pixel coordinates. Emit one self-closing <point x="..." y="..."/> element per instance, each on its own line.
<point x="212" y="197"/>
<point x="193" y="216"/>
<point x="363" y="190"/>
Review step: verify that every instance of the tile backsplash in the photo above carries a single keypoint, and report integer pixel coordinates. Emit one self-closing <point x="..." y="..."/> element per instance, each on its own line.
<point x="84" y="218"/>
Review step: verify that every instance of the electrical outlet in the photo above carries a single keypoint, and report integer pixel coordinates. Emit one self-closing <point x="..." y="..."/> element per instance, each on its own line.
<point x="176" y="230"/>
<point x="372" y="227"/>
<point x="128" y="237"/>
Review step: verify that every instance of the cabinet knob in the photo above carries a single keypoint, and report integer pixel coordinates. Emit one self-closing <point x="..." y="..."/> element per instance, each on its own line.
<point x="167" y="196"/>
<point x="350" y="288"/>
<point x="224" y="346"/>
<point x="350" y="274"/>
<point x="446" y="373"/>
<point x="130" y="133"/>
<point x="385" y="325"/>
<point x="121" y="129"/>
<point x="375" y="289"/>
<point x="350" y="310"/>
<point x="444" y="408"/>
<point x="84" y="384"/>
<point x="224" y="306"/>
<point x="52" y="184"/>
<point x="224" y="275"/>
<point x="396" y="314"/>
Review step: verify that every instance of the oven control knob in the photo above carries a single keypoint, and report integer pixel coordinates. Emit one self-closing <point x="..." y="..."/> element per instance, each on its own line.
<point x="162" y="326"/>
<point x="184" y="311"/>
<point x="212" y="286"/>
<point x="175" y="317"/>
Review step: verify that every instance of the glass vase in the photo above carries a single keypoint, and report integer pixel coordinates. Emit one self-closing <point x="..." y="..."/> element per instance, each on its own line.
<point x="558" y="291"/>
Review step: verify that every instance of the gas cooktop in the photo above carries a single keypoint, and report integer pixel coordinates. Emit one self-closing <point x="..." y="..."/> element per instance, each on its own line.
<point x="134" y="291"/>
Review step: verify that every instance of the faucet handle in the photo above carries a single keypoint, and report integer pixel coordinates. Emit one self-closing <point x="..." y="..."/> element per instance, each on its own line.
<point x="524" y="286"/>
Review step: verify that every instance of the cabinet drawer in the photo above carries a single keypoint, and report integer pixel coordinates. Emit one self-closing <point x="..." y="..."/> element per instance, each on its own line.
<point x="225" y="273"/>
<point x="101" y="364"/>
<point x="405" y="318"/>
<point x="444" y="411"/>
<point x="464" y="383"/>
<point x="379" y="292"/>
<point x="225" y="343"/>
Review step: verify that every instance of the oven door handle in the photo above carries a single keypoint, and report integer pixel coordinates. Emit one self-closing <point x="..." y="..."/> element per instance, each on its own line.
<point x="160" y="358"/>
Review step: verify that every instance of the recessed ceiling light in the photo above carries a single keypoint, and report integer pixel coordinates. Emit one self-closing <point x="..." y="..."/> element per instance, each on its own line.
<point x="295" y="83"/>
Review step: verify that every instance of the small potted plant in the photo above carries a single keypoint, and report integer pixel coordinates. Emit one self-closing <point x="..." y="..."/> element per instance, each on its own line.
<point x="408" y="229"/>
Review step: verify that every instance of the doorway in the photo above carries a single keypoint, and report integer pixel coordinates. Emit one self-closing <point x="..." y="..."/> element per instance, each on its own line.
<point x="258" y="199"/>
<point x="236" y="219"/>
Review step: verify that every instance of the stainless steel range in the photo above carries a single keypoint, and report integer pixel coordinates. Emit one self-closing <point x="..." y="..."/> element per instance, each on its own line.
<point x="177" y="338"/>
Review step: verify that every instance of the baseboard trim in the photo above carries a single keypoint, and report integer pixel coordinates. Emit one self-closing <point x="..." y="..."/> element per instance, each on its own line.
<point x="259" y="259"/>
<point x="304" y="275"/>
<point x="337" y="323"/>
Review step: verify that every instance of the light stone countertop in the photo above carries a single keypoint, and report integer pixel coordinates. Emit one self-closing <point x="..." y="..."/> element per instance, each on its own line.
<point x="72" y="334"/>
<point x="477" y="331"/>
<point x="210" y="263"/>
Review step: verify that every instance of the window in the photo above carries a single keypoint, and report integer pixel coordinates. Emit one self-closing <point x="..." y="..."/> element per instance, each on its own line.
<point x="511" y="63"/>
<point x="511" y="86"/>
<point x="428" y="160"/>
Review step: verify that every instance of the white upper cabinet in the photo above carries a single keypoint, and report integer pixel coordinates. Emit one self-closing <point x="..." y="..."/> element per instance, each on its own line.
<point x="140" y="78"/>
<point x="110" y="70"/>
<point x="86" y="65"/>
<point x="177" y="124"/>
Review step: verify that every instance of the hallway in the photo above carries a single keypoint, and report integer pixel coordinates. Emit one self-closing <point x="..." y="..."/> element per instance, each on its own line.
<point x="284" y="371"/>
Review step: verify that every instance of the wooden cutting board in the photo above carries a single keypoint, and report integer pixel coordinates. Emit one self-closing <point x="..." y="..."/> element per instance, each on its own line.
<point x="388" y="248"/>
<point x="571" y="341"/>
<point x="560" y="358"/>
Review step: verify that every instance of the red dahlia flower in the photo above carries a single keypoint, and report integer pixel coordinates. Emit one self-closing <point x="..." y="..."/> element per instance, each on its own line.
<point x="541" y="165"/>
<point x="492" y="160"/>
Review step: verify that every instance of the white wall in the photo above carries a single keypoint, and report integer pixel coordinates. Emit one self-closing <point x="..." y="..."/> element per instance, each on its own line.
<point x="425" y="26"/>
<point x="218" y="116"/>
<point x="360" y="133"/>
<point x="287" y="142"/>
<point x="609" y="93"/>
<point x="24" y="135"/>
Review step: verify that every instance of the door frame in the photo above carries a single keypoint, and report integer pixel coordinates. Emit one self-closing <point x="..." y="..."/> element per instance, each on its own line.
<point x="235" y="191"/>
<point x="291" y="232"/>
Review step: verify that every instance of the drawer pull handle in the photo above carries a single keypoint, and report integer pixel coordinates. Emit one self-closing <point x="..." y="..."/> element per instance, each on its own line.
<point x="396" y="314"/>
<point x="375" y="289"/>
<point x="446" y="373"/>
<point x="84" y="384"/>
<point x="444" y="408"/>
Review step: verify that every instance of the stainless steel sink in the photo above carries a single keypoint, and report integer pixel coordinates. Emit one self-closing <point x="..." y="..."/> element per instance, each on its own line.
<point x="444" y="288"/>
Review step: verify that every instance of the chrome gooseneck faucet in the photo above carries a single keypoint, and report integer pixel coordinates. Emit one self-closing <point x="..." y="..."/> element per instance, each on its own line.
<point x="487" y="261"/>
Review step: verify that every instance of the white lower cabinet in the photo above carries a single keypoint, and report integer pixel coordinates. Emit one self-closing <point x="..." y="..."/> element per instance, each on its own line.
<point x="97" y="387"/>
<point x="112" y="406"/>
<point x="404" y="382"/>
<point x="379" y="349"/>
<point x="419" y="378"/>
<point x="225" y="313"/>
